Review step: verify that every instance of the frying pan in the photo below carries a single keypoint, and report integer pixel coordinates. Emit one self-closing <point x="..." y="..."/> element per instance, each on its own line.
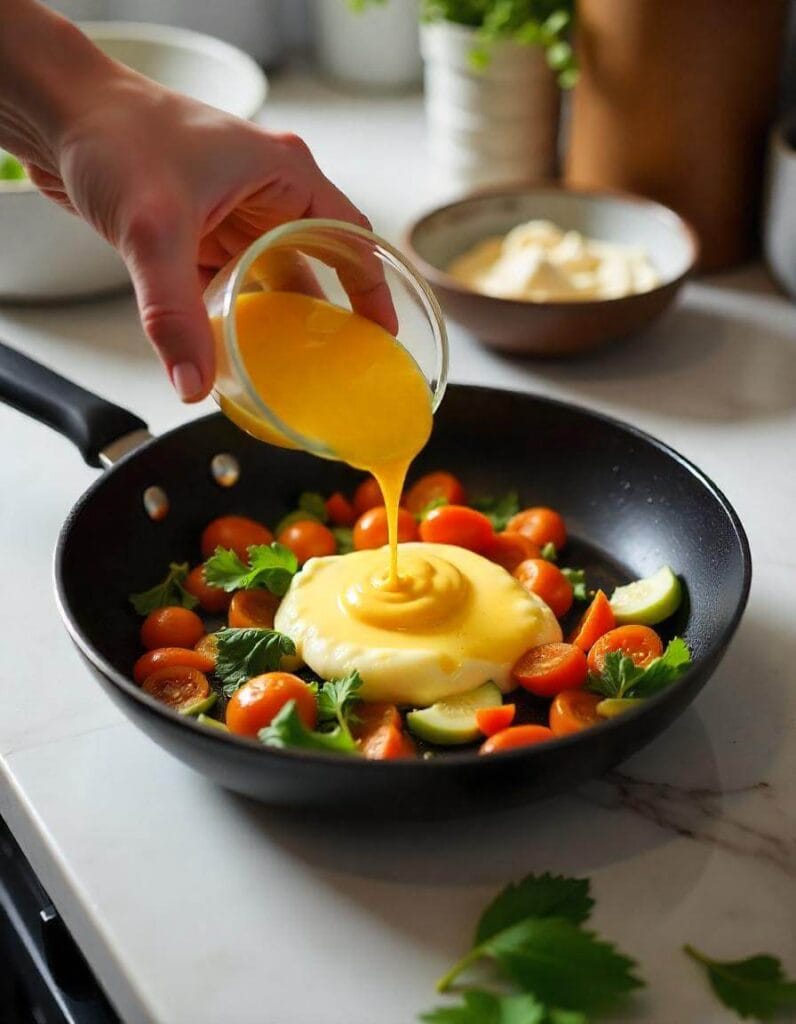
<point x="632" y="503"/>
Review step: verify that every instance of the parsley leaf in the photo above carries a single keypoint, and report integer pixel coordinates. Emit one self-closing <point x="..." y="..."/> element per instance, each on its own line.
<point x="287" y="730"/>
<point x="550" y="553"/>
<point x="577" y="578"/>
<point x="620" y="677"/>
<point x="244" y="653"/>
<point x="756" y="987"/>
<point x="314" y="503"/>
<point x="344" y="536"/>
<point x="272" y="566"/>
<point x="536" y="896"/>
<point x="167" y="593"/>
<point x="337" y="697"/>
<point x="563" y="964"/>
<point x="479" y="1007"/>
<point x="498" y="510"/>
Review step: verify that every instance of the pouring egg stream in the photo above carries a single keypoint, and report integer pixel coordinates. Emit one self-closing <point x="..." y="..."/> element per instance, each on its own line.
<point x="443" y="625"/>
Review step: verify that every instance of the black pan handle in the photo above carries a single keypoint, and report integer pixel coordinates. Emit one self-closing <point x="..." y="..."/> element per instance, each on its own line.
<point x="89" y="421"/>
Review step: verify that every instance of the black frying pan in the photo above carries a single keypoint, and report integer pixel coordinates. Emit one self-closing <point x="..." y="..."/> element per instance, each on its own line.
<point x="631" y="502"/>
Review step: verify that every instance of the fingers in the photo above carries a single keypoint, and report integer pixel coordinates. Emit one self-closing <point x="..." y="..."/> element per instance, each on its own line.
<point x="363" y="280"/>
<point x="160" y="251"/>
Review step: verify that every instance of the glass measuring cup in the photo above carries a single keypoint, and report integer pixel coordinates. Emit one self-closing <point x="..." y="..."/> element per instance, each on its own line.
<point x="348" y="266"/>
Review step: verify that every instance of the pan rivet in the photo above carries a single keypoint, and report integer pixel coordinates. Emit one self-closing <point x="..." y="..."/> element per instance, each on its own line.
<point x="156" y="503"/>
<point x="225" y="469"/>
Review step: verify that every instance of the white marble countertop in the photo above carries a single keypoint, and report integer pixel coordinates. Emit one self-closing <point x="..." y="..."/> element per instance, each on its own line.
<point x="195" y="906"/>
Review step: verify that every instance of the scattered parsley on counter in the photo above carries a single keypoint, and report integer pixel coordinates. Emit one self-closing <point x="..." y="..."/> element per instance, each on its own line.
<point x="756" y="987"/>
<point x="480" y="1007"/>
<point x="271" y="566"/>
<point x="166" y="594"/>
<point x="242" y="654"/>
<point x="621" y="677"/>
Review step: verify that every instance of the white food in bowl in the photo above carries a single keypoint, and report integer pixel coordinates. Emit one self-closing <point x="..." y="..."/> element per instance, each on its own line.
<point x="49" y="254"/>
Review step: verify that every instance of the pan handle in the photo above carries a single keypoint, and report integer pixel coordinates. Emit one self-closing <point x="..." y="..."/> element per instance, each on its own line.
<point x="90" y="422"/>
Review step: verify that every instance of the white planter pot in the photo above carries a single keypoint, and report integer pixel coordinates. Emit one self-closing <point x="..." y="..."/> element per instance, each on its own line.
<point x="490" y="126"/>
<point x="252" y="25"/>
<point x="378" y="48"/>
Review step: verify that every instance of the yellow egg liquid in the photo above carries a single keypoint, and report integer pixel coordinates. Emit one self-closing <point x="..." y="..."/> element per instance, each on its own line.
<point x="342" y="382"/>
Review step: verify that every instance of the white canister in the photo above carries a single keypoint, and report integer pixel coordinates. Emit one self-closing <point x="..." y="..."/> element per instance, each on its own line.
<point x="255" y="26"/>
<point x="493" y="125"/>
<point x="377" y="47"/>
<point x="779" y="222"/>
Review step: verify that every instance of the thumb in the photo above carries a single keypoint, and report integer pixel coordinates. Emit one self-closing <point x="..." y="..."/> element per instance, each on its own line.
<point x="161" y="253"/>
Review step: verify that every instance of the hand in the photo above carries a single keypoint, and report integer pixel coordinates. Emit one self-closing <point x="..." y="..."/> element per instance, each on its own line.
<point x="179" y="188"/>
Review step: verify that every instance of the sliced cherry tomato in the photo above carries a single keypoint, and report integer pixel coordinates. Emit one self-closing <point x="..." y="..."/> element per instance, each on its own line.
<point x="370" y="530"/>
<point x="178" y="686"/>
<point x="509" y="549"/>
<point x="459" y="525"/>
<point x="171" y="627"/>
<point x="550" y="668"/>
<point x="236" y="532"/>
<point x="596" y="620"/>
<point x="387" y="743"/>
<point x="432" y="487"/>
<point x="212" y="599"/>
<point x="308" y="539"/>
<point x="340" y="510"/>
<point x="548" y="582"/>
<point x="163" y="657"/>
<point x="208" y="648"/>
<point x="368" y="495"/>
<point x="516" y="736"/>
<point x="639" y="643"/>
<point x="542" y="525"/>
<point x="492" y="720"/>
<point x="253" y="609"/>
<point x="373" y="715"/>
<point x="573" y="711"/>
<point x="256" y="703"/>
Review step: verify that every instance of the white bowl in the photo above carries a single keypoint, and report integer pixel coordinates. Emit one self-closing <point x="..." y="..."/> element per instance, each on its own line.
<point x="49" y="254"/>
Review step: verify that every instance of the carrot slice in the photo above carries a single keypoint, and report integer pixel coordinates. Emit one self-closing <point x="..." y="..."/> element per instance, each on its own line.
<point x="640" y="643"/>
<point x="516" y="736"/>
<point x="385" y="744"/>
<point x="551" y="668"/>
<point x="596" y="620"/>
<point x="372" y="715"/>
<point x="573" y="711"/>
<point x="492" y="720"/>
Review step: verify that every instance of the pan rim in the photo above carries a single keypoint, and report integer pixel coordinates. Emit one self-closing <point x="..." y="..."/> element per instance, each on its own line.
<point x="615" y="726"/>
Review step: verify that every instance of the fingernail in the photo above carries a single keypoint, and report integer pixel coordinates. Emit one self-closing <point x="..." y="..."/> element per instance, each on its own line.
<point x="187" y="381"/>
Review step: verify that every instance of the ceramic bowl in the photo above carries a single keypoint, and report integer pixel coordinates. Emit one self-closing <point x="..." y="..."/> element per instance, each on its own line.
<point x="552" y="329"/>
<point x="47" y="254"/>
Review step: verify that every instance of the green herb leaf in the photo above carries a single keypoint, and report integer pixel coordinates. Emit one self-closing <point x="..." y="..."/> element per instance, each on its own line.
<point x="562" y="964"/>
<point x="337" y="698"/>
<point x="756" y="987"/>
<point x="298" y="515"/>
<point x="480" y="1007"/>
<point x="244" y="653"/>
<point x="620" y="677"/>
<point x="550" y="552"/>
<point x="271" y="566"/>
<point x="315" y="504"/>
<point x="167" y="593"/>
<point x="344" y="536"/>
<point x="498" y="510"/>
<point x="287" y="730"/>
<point x="577" y="577"/>
<point x="536" y="896"/>
<point x="434" y="503"/>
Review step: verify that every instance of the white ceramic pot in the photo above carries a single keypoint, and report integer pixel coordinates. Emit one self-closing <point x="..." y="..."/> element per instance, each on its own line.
<point x="47" y="253"/>
<point x="779" y="223"/>
<point x="491" y="126"/>
<point x="377" y="48"/>
<point x="253" y="25"/>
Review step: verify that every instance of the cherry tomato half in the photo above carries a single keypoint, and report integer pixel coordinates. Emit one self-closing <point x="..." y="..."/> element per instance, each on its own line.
<point x="253" y="609"/>
<point x="640" y="643"/>
<point x="163" y="657"/>
<point x="550" y="668"/>
<point x="573" y="711"/>
<point x="178" y="686"/>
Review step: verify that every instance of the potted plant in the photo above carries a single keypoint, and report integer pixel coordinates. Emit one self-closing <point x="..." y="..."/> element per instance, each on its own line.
<point x="369" y="44"/>
<point x="493" y="74"/>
